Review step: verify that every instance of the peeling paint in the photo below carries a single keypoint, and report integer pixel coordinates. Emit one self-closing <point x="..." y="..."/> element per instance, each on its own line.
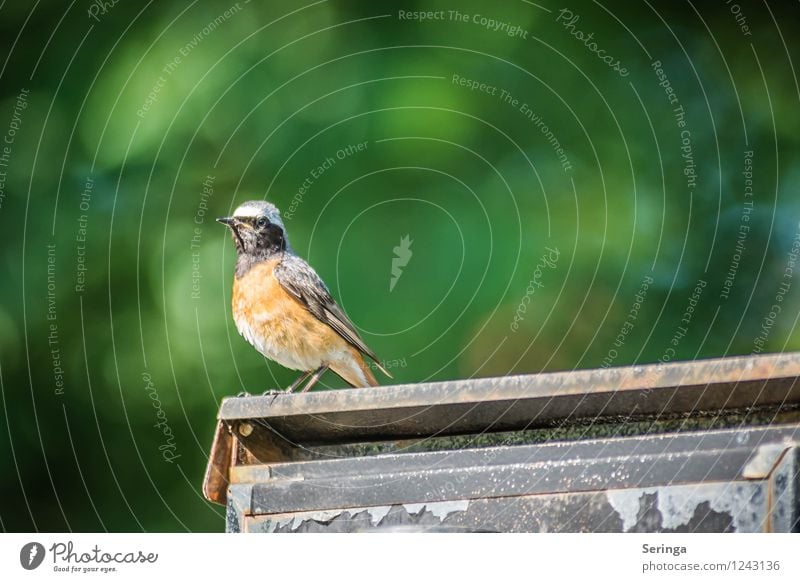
<point x="764" y="461"/>
<point x="745" y="503"/>
<point x="414" y="508"/>
<point x="376" y="514"/>
<point x="296" y="520"/>
<point x="626" y="504"/>
<point x="440" y="509"/>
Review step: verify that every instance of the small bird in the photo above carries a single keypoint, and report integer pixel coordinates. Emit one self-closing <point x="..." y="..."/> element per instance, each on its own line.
<point x="284" y="310"/>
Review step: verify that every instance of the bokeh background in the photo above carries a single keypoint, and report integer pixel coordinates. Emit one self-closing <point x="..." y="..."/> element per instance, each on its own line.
<point x="558" y="212"/>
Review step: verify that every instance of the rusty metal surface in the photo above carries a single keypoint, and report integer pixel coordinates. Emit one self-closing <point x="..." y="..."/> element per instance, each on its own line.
<point x="731" y="480"/>
<point x="216" y="478"/>
<point x="518" y="402"/>
<point x="286" y="471"/>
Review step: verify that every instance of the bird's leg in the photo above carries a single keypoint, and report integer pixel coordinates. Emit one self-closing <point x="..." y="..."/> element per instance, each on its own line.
<point x="320" y="371"/>
<point x="297" y="382"/>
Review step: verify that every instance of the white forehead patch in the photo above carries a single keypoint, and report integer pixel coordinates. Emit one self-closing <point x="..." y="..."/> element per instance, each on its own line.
<point x="255" y="208"/>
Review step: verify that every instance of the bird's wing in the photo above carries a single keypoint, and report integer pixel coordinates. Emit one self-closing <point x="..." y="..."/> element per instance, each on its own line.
<point x="302" y="282"/>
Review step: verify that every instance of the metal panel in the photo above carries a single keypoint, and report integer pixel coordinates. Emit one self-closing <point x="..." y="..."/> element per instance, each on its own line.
<point x="519" y="402"/>
<point x="717" y="508"/>
<point x="688" y="482"/>
<point x="342" y="461"/>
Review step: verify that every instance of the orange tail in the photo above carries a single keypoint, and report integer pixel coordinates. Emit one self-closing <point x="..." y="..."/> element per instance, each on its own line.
<point x="356" y="372"/>
<point x="371" y="381"/>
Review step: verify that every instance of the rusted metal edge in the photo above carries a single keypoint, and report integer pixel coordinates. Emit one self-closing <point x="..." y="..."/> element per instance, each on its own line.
<point x="217" y="475"/>
<point x="522" y="402"/>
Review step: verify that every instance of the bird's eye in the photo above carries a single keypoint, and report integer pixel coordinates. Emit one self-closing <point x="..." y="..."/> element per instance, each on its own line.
<point x="261" y="222"/>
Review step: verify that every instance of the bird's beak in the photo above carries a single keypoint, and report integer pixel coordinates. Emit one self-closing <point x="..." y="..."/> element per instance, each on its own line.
<point x="228" y="221"/>
<point x="233" y="223"/>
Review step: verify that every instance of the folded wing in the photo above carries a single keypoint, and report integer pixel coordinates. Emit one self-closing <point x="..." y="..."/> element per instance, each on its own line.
<point x="302" y="282"/>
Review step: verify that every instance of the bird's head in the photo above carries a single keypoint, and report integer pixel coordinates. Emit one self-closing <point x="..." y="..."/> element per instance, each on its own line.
<point x="257" y="229"/>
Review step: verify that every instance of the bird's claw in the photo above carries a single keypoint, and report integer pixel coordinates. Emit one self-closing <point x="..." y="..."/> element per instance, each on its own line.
<point x="274" y="394"/>
<point x="243" y="394"/>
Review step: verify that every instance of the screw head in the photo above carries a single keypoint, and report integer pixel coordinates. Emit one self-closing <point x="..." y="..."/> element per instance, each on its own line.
<point x="245" y="429"/>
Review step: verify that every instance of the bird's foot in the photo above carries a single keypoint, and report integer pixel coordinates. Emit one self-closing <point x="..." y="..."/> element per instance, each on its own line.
<point x="243" y="394"/>
<point x="274" y="394"/>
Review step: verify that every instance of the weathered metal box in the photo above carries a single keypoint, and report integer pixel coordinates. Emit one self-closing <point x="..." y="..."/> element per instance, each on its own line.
<point x="708" y="446"/>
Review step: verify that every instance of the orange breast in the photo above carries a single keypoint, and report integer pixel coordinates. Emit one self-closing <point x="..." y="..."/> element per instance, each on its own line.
<point x="277" y="325"/>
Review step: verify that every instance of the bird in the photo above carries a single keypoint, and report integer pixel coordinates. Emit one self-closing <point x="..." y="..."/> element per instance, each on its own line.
<point x="284" y="309"/>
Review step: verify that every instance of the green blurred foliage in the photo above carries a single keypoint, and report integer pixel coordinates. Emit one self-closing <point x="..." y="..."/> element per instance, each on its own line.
<point x="258" y="101"/>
